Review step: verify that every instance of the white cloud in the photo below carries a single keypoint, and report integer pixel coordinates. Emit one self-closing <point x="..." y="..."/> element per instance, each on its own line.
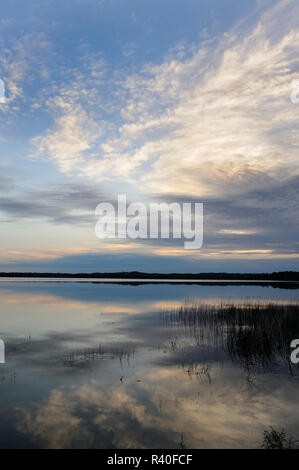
<point x="70" y="139"/>
<point x="218" y="121"/>
<point x="18" y="61"/>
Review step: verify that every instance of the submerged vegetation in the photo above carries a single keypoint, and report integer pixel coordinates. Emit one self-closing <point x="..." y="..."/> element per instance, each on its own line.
<point x="254" y="335"/>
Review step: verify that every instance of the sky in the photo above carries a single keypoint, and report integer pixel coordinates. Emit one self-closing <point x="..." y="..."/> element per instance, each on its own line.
<point x="161" y="100"/>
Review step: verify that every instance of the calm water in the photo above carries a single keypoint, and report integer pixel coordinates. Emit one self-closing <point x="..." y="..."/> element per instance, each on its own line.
<point x="92" y="365"/>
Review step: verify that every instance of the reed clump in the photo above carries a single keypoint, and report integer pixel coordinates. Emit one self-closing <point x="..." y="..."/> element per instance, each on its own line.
<point x="255" y="335"/>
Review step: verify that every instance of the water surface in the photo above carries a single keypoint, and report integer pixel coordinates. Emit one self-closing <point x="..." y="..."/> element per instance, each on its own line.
<point x="95" y="365"/>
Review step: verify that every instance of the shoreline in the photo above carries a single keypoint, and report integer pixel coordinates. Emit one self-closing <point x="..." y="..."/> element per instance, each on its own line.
<point x="142" y="281"/>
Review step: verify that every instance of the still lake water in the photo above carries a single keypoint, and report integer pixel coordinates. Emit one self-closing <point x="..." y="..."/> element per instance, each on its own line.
<point x="91" y="365"/>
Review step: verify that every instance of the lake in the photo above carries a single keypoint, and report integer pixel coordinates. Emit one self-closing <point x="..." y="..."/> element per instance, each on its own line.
<point x="151" y="365"/>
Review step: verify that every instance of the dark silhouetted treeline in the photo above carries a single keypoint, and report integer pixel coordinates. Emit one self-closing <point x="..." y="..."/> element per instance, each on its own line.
<point x="275" y="276"/>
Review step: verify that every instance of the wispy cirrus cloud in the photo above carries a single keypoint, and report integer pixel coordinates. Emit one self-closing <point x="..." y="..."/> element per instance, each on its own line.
<point x="211" y="120"/>
<point x="22" y="62"/>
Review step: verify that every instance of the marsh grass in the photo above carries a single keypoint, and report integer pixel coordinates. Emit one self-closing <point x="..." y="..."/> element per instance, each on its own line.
<point x="80" y="357"/>
<point x="254" y="335"/>
<point x="200" y="372"/>
<point x="274" y="439"/>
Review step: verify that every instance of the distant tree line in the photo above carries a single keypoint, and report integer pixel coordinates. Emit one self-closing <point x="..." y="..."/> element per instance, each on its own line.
<point x="275" y="276"/>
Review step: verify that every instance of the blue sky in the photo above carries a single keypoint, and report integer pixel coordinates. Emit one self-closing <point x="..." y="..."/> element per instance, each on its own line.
<point x="169" y="100"/>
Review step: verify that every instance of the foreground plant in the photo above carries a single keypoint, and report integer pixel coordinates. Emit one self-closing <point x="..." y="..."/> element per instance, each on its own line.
<point x="278" y="440"/>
